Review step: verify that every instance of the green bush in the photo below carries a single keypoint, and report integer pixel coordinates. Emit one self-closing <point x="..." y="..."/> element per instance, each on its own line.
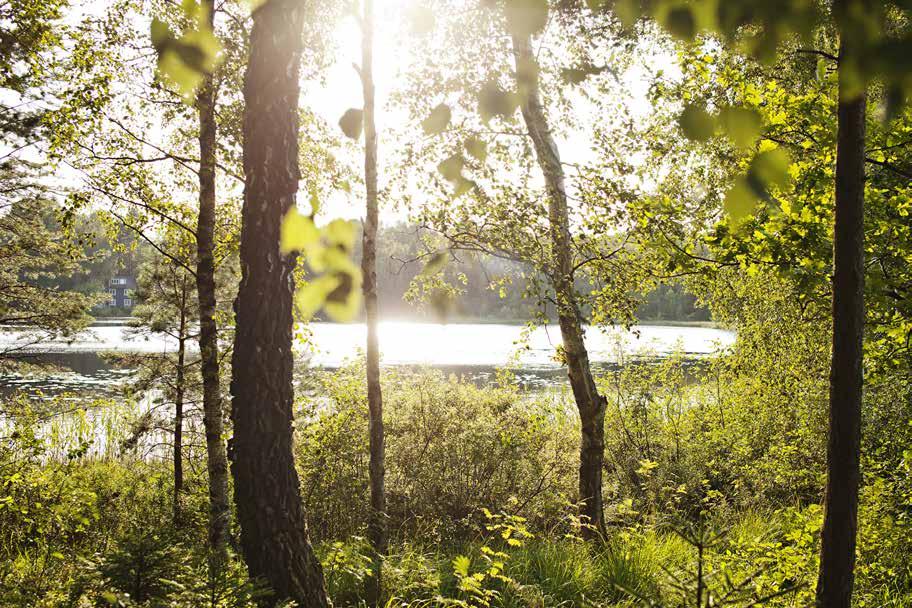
<point x="452" y="449"/>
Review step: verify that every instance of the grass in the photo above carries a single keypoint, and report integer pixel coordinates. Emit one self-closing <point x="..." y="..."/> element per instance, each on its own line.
<point x="545" y="573"/>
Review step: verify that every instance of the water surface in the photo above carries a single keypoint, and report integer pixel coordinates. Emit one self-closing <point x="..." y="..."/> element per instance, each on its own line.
<point x="474" y="349"/>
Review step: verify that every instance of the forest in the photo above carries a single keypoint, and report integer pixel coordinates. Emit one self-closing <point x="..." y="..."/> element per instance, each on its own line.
<point x="456" y="303"/>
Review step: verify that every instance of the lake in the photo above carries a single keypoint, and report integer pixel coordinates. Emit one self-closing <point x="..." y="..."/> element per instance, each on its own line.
<point x="472" y="349"/>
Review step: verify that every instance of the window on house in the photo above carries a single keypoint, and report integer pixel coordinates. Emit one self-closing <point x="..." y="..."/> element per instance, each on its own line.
<point x="128" y="302"/>
<point x="118" y="281"/>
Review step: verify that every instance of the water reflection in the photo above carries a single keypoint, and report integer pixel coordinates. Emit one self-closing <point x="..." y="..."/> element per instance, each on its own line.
<point x="471" y="350"/>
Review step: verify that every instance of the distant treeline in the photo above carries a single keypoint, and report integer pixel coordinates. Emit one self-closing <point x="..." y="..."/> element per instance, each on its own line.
<point x="490" y="288"/>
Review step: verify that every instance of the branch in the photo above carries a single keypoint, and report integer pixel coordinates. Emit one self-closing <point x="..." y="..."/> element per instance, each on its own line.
<point x="889" y="167"/>
<point x="824" y="54"/>
<point x="154" y="245"/>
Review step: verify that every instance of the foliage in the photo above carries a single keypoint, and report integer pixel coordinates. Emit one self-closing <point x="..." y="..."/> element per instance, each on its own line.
<point x="453" y="449"/>
<point x="32" y="257"/>
<point x="699" y="141"/>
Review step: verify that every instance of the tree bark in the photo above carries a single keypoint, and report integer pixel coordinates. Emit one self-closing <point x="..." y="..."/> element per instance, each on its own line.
<point x="837" y="549"/>
<point x="590" y="404"/>
<point x="179" y="410"/>
<point x="377" y="524"/>
<point x="269" y="509"/>
<point x="216" y="452"/>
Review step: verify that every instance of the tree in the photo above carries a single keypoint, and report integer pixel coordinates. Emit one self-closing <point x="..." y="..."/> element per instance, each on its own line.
<point x="165" y="306"/>
<point x="840" y="523"/>
<point x="502" y="210"/>
<point x="377" y="525"/>
<point x="217" y="461"/>
<point x="589" y="402"/>
<point x="145" y="171"/>
<point x="30" y="31"/>
<point x="867" y="51"/>
<point x="32" y="256"/>
<point x="267" y="494"/>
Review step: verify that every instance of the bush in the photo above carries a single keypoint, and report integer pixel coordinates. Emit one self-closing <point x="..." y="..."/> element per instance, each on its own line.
<point x="452" y="449"/>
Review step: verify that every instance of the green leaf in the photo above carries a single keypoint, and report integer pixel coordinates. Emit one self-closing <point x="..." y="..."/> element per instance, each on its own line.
<point x="437" y="120"/>
<point x="437" y="262"/>
<point x="740" y="200"/>
<point x="821" y="71"/>
<point x="526" y="17"/>
<point x="851" y="79"/>
<point x="175" y="72"/>
<point x="161" y="34"/>
<point x="297" y="233"/>
<point x="315" y="198"/>
<point x="771" y="168"/>
<point x="627" y="11"/>
<point x="463" y="185"/>
<point x="253" y="5"/>
<point x="494" y="101"/>
<point x="578" y="75"/>
<point x="200" y="49"/>
<point x="326" y="256"/>
<point x="477" y="148"/>
<point x="341" y="233"/>
<point x="696" y="123"/>
<point x="184" y="62"/>
<point x="352" y="123"/>
<point x="191" y="9"/>
<point x="451" y="168"/>
<point x="461" y="565"/>
<point x="680" y="23"/>
<point x="109" y="598"/>
<point x="311" y="295"/>
<point x="344" y="301"/>
<point x="742" y="125"/>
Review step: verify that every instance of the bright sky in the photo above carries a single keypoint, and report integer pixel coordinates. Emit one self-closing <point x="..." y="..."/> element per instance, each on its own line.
<point x="342" y="90"/>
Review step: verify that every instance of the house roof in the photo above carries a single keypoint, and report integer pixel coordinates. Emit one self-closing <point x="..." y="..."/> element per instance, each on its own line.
<point x="130" y="282"/>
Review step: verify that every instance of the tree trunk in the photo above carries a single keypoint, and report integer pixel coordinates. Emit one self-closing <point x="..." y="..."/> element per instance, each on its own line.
<point x="179" y="413"/>
<point x="377" y="525"/>
<point x="216" y="453"/>
<point x="837" y="549"/>
<point x="269" y="509"/>
<point x="590" y="404"/>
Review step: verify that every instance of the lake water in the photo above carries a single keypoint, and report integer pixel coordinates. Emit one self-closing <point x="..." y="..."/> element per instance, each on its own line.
<point x="474" y="350"/>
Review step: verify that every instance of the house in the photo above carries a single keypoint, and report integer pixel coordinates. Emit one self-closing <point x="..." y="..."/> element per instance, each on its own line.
<point x="120" y="288"/>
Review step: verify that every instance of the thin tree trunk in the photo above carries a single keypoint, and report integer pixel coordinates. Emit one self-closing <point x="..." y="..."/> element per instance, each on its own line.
<point x="837" y="549"/>
<point x="377" y="526"/>
<point x="216" y="452"/>
<point x="269" y="509"/>
<point x="590" y="404"/>
<point x="179" y="411"/>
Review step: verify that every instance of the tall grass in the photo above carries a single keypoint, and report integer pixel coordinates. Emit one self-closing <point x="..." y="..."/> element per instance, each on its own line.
<point x="544" y="572"/>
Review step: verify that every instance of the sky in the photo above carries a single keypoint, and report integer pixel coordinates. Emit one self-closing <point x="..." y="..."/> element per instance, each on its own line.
<point x="340" y="89"/>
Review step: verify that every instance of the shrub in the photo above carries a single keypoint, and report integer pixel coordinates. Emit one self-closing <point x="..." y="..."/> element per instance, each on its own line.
<point x="452" y="449"/>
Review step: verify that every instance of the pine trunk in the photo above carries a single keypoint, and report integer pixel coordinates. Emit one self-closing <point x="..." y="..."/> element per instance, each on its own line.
<point x="179" y="416"/>
<point x="216" y="453"/>
<point x="590" y="404"/>
<point x="377" y="524"/>
<point x="269" y="509"/>
<point x="837" y="550"/>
